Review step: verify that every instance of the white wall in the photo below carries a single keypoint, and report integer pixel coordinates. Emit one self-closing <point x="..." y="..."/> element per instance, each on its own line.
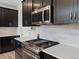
<point x="13" y="4"/>
<point x="25" y="32"/>
<point x="5" y="31"/>
<point x="68" y="36"/>
<point x="54" y="33"/>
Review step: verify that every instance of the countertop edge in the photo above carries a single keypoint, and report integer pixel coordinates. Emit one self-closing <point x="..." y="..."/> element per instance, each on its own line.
<point x="57" y="51"/>
<point x="12" y="36"/>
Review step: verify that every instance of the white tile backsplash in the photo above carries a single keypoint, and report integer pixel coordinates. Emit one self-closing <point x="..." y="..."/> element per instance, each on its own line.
<point x="4" y="31"/>
<point x="60" y="33"/>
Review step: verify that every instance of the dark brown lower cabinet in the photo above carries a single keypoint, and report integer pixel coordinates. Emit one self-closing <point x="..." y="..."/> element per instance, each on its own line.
<point x="47" y="56"/>
<point x="7" y="44"/>
<point x="44" y="55"/>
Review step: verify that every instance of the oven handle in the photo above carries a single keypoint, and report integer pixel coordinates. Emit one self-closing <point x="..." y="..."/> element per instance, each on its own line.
<point x="31" y="55"/>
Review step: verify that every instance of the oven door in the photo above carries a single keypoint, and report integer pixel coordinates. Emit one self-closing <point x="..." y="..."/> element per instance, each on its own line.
<point x="27" y="55"/>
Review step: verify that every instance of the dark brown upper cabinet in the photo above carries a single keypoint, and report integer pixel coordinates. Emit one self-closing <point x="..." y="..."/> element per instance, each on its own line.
<point x="27" y="12"/>
<point x="29" y="6"/>
<point x="62" y="11"/>
<point x="8" y="17"/>
<point x="66" y="11"/>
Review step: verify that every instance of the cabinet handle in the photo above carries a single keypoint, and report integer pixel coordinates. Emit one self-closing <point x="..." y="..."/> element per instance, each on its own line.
<point x="71" y="15"/>
<point x="75" y="15"/>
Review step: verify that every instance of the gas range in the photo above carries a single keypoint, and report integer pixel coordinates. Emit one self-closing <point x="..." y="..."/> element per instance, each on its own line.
<point x="38" y="45"/>
<point x="32" y="49"/>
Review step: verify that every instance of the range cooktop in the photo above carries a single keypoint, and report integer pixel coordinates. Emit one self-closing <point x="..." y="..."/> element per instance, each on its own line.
<point x="38" y="45"/>
<point x="42" y="43"/>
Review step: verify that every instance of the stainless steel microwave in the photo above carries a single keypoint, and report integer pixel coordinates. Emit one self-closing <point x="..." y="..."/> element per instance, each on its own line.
<point x="42" y="15"/>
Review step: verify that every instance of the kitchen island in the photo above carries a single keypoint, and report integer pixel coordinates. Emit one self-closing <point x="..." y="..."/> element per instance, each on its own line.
<point x="62" y="51"/>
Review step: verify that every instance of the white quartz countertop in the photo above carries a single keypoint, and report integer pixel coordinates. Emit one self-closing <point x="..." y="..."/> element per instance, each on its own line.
<point x="63" y="51"/>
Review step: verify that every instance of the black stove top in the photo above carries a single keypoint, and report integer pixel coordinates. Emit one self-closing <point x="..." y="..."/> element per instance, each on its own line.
<point x="42" y="43"/>
<point x="37" y="45"/>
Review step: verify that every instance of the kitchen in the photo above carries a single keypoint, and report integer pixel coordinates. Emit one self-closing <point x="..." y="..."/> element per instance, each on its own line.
<point x="61" y="27"/>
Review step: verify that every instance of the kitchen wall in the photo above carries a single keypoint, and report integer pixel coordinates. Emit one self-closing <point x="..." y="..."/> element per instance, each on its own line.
<point x="5" y="31"/>
<point x="9" y="4"/>
<point x="62" y="34"/>
<point x="25" y="32"/>
<point x="12" y="4"/>
<point x="55" y="33"/>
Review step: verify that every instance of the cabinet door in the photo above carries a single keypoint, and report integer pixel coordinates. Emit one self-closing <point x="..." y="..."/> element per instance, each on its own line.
<point x="27" y="12"/>
<point x="0" y="17"/>
<point x="75" y="15"/>
<point x="6" y="44"/>
<point x="0" y="45"/>
<point x="78" y="10"/>
<point x="24" y="12"/>
<point x="12" y="18"/>
<point x="47" y="56"/>
<point x="63" y="11"/>
<point x="9" y="18"/>
<point x="5" y="17"/>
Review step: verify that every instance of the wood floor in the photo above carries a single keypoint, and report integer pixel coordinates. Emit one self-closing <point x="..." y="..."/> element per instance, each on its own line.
<point x="9" y="55"/>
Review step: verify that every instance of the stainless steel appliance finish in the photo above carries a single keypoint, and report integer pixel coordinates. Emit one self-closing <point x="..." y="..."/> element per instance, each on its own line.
<point x="43" y="15"/>
<point x="32" y="48"/>
<point x="29" y="54"/>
